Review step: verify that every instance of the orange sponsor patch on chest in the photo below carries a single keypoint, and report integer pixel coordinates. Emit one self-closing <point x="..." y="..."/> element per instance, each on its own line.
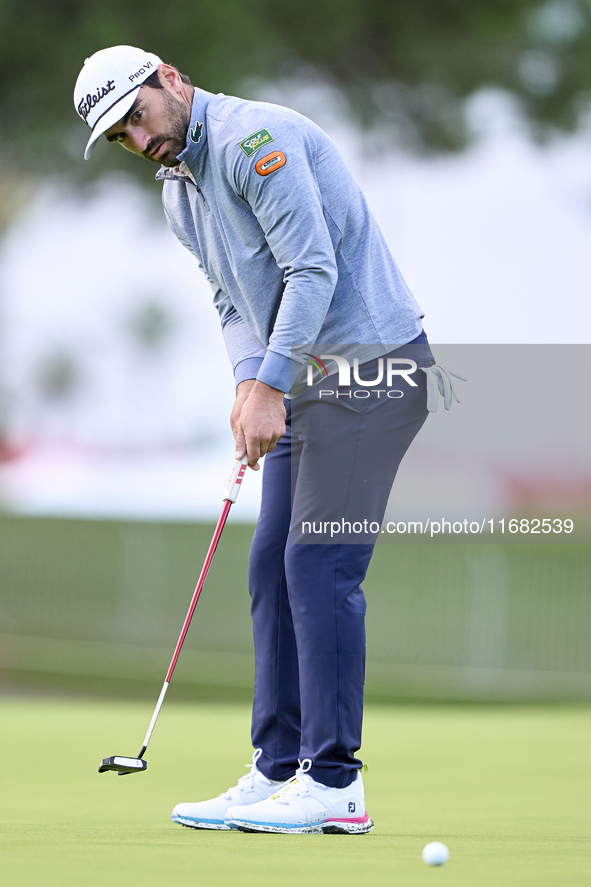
<point x="266" y="165"/>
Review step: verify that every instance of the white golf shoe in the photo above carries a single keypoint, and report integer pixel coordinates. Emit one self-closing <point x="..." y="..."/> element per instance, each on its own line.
<point x="251" y="788"/>
<point x="303" y="806"/>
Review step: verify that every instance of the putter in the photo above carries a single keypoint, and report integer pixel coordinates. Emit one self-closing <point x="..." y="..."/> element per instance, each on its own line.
<point x="123" y="765"/>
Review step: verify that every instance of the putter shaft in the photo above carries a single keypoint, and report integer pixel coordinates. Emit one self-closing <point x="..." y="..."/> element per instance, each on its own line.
<point x="231" y="494"/>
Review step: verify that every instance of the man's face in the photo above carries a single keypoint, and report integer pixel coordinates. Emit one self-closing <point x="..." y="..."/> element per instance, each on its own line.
<point x="155" y="127"/>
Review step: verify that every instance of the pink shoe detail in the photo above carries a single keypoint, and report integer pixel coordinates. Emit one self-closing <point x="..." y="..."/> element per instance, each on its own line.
<point x="360" y="819"/>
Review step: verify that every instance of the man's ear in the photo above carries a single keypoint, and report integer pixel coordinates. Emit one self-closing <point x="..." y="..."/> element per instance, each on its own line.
<point x="170" y="77"/>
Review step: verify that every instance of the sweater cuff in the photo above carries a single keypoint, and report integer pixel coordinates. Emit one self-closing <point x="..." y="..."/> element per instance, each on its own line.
<point x="247" y="369"/>
<point x="276" y="371"/>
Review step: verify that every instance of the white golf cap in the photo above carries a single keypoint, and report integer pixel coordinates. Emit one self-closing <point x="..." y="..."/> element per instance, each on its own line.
<point x="108" y="84"/>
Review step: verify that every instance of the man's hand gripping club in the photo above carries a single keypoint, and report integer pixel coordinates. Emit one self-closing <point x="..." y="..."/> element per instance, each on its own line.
<point x="257" y="420"/>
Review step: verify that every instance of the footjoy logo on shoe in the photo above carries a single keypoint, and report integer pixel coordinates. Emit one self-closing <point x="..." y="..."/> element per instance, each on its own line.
<point x="351" y="806"/>
<point x="395" y="366"/>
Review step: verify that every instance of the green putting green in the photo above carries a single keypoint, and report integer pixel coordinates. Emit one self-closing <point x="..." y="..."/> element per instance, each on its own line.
<point x="506" y="788"/>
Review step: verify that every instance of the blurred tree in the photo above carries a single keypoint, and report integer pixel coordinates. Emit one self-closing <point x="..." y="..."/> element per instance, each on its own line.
<point x="410" y="63"/>
<point x="151" y="325"/>
<point x="57" y="375"/>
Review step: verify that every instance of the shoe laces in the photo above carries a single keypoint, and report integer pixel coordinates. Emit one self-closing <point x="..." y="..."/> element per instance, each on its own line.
<point x="247" y="781"/>
<point x="299" y="784"/>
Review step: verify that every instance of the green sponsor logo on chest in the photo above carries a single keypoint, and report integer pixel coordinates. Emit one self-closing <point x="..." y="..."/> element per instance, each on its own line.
<point x="255" y="141"/>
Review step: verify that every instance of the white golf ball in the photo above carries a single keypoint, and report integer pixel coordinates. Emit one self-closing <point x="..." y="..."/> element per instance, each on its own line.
<point x="435" y="853"/>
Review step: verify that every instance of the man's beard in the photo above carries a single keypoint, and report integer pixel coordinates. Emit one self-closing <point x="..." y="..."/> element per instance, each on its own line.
<point x="176" y="138"/>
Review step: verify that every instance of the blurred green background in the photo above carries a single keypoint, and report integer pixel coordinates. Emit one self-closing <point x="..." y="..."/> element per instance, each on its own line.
<point x="92" y="608"/>
<point x="97" y="606"/>
<point x="405" y="67"/>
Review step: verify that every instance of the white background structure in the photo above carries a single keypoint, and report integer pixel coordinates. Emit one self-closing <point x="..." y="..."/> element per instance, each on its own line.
<point x="494" y="242"/>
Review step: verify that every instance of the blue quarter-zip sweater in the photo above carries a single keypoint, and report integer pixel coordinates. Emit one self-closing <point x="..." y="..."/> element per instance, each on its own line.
<point x="264" y="201"/>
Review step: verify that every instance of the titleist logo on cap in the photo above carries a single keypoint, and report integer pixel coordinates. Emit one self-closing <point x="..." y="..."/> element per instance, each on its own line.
<point x="108" y="84"/>
<point x="89" y="101"/>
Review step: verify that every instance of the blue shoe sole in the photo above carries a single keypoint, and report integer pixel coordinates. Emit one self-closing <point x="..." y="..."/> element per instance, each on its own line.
<point x="324" y="827"/>
<point x="212" y="824"/>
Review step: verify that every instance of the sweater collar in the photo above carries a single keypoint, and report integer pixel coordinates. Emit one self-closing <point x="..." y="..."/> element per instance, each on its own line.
<point x="195" y="153"/>
<point x="192" y="159"/>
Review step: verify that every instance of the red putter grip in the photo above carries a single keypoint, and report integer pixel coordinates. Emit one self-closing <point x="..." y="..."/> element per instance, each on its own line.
<point x="235" y="481"/>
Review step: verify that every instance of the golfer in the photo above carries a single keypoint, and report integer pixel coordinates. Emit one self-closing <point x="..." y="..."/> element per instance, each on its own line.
<point x="263" y="200"/>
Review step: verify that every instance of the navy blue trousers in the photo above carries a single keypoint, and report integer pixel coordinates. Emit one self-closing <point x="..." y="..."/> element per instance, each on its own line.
<point x="308" y="607"/>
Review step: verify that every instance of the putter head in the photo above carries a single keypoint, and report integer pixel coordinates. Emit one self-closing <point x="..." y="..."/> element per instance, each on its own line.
<point x="123" y="766"/>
